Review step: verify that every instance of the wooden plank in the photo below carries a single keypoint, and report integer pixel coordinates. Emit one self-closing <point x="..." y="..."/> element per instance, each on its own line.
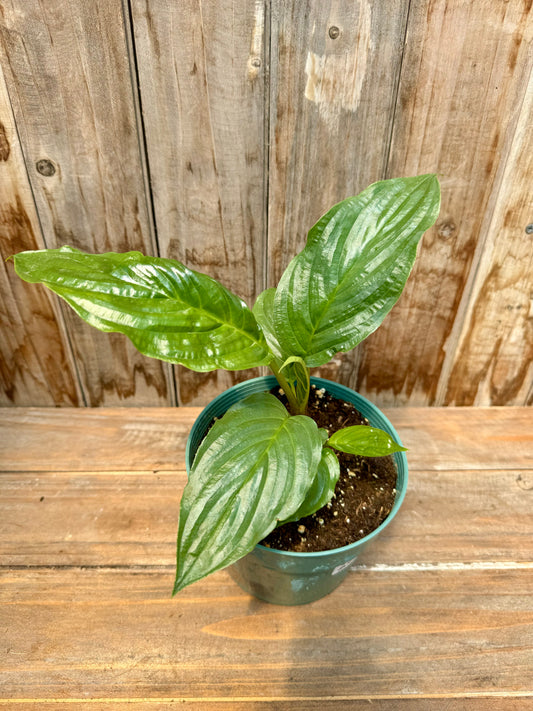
<point x="456" y="115"/>
<point x="401" y="635"/>
<point x="91" y="191"/>
<point x="493" y="362"/>
<point x="114" y="519"/>
<point x="94" y="439"/>
<point x="465" y="438"/>
<point x="457" y="519"/>
<point x="439" y="439"/>
<point x="441" y="615"/>
<point x="203" y="101"/>
<point x="453" y="702"/>
<point x="29" y="374"/>
<point x="334" y="75"/>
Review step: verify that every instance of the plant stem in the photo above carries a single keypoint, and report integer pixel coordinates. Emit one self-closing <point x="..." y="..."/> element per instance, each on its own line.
<point x="296" y="407"/>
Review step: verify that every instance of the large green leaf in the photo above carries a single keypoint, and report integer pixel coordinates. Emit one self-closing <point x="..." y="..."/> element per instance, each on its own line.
<point x="365" y="441"/>
<point x="168" y="311"/>
<point x="252" y="470"/>
<point x="322" y="488"/>
<point x="353" y="269"/>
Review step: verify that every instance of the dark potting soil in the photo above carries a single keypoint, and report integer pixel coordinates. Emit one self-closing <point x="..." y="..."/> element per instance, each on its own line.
<point x="364" y="495"/>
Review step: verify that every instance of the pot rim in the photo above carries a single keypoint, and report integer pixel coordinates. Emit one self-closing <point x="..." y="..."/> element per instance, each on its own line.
<point x="342" y="391"/>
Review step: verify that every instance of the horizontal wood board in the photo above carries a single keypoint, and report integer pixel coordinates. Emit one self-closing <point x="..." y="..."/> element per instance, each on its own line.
<point x="438" y="614"/>
<point x="411" y="635"/>
<point x="483" y="701"/>
<point x="33" y="439"/>
<point x="129" y="518"/>
<point x="450" y="702"/>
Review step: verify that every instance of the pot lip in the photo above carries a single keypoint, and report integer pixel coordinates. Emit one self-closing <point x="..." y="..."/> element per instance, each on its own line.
<point x="342" y="390"/>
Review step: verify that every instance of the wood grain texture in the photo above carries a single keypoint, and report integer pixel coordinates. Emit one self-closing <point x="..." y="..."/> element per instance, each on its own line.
<point x="493" y="361"/>
<point x="218" y="133"/>
<point x="202" y="69"/>
<point x="149" y="438"/>
<point x="129" y="518"/>
<point x="106" y="487"/>
<point x="438" y="439"/>
<point x="331" y="107"/>
<point x="458" y="114"/>
<point x="83" y="121"/>
<point x="437" y="615"/>
<point x="334" y="74"/>
<point x="31" y="373"/>
<point x="412" y="636"/>
<point x="255" y="118"/>
<point x="483" y="701"/>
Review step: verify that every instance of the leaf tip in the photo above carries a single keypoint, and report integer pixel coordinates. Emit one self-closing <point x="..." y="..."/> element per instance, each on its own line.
<point x="179" y="584"/>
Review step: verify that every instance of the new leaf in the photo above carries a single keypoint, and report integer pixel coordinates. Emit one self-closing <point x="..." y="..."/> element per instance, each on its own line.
<point x="365" y="441"/>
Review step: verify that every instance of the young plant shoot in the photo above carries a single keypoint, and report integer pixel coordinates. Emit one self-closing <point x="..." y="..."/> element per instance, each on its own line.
<point x="260" y="465"/>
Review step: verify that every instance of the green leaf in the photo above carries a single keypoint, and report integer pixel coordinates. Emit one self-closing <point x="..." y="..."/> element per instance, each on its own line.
<point x="358" y="256"/>
<point x="322" y="488"/>
<point x="168" y="311"/>
<point x="365" y="441"/>
<point x="263" y="311"/>
<point x="252" y="470"/>
<point x="297" y="377"/>
<point x="291" y="371"/>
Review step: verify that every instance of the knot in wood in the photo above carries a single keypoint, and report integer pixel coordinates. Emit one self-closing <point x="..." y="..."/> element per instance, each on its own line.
<point x="446" y="229"/>
<point x="45" y="167"/>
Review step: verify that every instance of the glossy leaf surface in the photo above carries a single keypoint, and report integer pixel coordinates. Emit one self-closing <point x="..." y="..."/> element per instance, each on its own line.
<point x="322" y="488"/>
<point x="365" y="441"/>
<point x="358" y="256"/>
<point x="252" y="470"/>
<point x="167" y="310"/>
<point x="263" y="311"/>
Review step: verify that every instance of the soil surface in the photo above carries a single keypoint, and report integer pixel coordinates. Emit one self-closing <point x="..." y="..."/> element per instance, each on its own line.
<point x="364" y="495"/>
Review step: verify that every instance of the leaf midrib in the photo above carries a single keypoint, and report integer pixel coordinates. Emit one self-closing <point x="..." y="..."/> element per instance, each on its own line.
<point x="206" y="511"/>
<point x="68" y="294"/>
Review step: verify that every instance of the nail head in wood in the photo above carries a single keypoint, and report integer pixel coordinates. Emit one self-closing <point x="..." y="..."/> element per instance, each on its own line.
<point x="334" y="32"/>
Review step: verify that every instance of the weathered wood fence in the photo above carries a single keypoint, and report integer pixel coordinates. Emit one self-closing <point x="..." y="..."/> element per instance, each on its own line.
<point x="218" y="131"/>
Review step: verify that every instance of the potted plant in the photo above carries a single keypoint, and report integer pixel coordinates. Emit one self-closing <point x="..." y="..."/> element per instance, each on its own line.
<point x="255" y="463"/>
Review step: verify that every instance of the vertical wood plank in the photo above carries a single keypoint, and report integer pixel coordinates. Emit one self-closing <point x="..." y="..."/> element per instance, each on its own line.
<point x="202" y="81"/>
<point x="493" y="362"/>
<point x="335" y="68"/>
<point x="463" y="77"/>
<point x="68" y="77"/>
<point x="36" y="365"/>
<point x="461" y="334"/>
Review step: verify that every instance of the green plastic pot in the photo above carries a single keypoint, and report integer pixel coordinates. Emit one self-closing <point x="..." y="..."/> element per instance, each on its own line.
<point x="282" y="577"/>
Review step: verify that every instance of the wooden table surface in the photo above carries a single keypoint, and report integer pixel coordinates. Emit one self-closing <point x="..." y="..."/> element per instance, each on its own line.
<point x="437" y="615"/>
